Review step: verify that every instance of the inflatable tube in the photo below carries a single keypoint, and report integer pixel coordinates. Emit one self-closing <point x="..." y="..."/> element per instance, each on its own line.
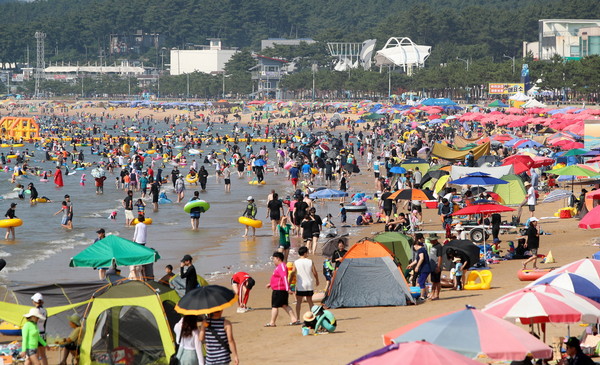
<point x="247" y="222"/>
<point x="288" y="165"/>
<point x="42" y="200"/>
<point x="43" y="180"/>
<point x="11" y="156"/>
<point x="415" y="292"/>
<point x="151" y="152"/>
<point x="314" y="171"/>
<point x="191" y="180"/>
<point x="196" y="203"/>
<point x="531" y="275"/>
<point x="6" y="223"/>
<point x="164" y="201"/>
<point x="147" y="221"/>
<point x="255" y="182"/>
<point x="355" y="208"/>
<point x="9" y="329"/>
<point x="126" y="148"/>
<point x="80" y="168"/>
<point x="194" y="152"/>
<point x="4" y="145"/>
<point x="18" y="145"/>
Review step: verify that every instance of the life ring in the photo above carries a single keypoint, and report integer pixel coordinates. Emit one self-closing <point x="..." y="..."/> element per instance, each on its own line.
<point x="80" y="168"/>
<point x="191" y="179"/>
<point x="4" y="145"/>
<point x="314" y="171"/>
<point x="126" y="148"/>
<point x="151" y="152"/>
<point x="255" y="182"/>
<point x="194" y="152"/>
<point x="531" y="275"/>
<point x="249" y="222"/>
<point x="147" y="221"/>
<point x="11" y="157"/>
<point x="196" y="203"/>
<point x="18" y="145"/>
<point x="355" y="208"/>
<point x="7" y="223"/>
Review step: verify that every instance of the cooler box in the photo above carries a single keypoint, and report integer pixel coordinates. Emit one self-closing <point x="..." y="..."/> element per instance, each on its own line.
<point x="431" y="204"/>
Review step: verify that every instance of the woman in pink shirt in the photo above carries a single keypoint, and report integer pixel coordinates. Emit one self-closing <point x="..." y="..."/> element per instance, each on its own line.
<point x="281" y="289"/>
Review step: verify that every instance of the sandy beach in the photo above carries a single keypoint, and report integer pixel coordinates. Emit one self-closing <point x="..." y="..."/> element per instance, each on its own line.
<point x="360" y="330"/>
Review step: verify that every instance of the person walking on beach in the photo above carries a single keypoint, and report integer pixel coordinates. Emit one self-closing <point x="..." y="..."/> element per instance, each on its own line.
<point x="155" y="192"/>
<point x="140" y="232"/>
<point x="250" y="212"/>
<point x="203" y="178"/>
<point x="65" y="211"/>
<point x="242" y="283"/>
<point x="281" y="289"/>
<point x="306" y="279"/>
<point x="531" y="198"/>
<point x="274" y="211"/>
<point x="217" y="334"/>
<point x="284" y="229"/>
<point x="99" y="182"/>
<point x="31" y="337"/>
<point x="10" y="214"/>
<point x="188" y="272"/>
<point x="435" y="258"/>
<point x="187" y="336"/>
<point x="533" y="242"/>
<point x="38" y="302"/>
<point x="128" y="206"/>
<point x="69" y="211"/>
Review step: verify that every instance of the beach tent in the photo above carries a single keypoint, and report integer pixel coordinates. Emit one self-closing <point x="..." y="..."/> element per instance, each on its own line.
<point x="114" y="250"/>
<point x="411" y="163"/>
<point x="400" y="246"/>
<point x="512" y="193"/>
<point x="130" y="323"/>
<point x="368" y="277"/>
<point x="443" y="151"/>
<point x="462" y="142"/>
<point x="438" y="102"/>
<point x="494" y="171"/>
<point x="497" y="104"/>
<point x="60" y="300"/>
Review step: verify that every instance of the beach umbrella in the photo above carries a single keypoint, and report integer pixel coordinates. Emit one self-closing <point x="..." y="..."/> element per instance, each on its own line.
<point x="575" y="170"/>
<point x="572" y="282"/>
<point x="433" y="174"/>
<point x="473" y="333"/>
<point x="576" y="152"/>
<point x="114" y="250"/>
<point x="410" y="194"/>
<point x="520" y="163"/>
<point x="98" y="172"/>
<point x="328" y="194"/>
<point x="591" y="220"/>
<point x="351" y="168"/>
<point x="206" y="300"/>
<point x="529" y="306"/>
<point x="483" y="209"/>
<point x="413" y="353"/>
<point x="556" y="195"/>
<point x="260" y="162"/>
<point x="588" y="268"/>
<point x="398" y="170"/>
<point x="479" y="179"/>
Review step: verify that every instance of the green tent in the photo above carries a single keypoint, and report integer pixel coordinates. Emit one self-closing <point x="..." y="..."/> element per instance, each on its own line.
<point x="512" y="193"/>
<point x="399" y="244"/>
<point x="114" y="250"/>
<point x="130" y="323"/>
<point x="373" y="116"/>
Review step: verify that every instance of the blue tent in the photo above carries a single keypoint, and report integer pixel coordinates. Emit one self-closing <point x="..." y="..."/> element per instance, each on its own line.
<point x="438" y="102"/>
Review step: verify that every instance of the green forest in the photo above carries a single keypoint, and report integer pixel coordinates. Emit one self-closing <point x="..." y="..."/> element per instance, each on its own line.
<point x="482" y="31"/>
<point x="79" y="29"/>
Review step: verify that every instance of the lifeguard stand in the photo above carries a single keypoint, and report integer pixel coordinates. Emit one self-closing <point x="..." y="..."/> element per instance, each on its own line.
<point x="18" y="127"/>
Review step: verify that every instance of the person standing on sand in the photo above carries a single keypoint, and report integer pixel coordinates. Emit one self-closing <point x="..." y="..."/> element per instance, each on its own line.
<point x="306" y="279"/>
<point x="188" y="272"/>
<point x="421" y="267"/>
<point x="533" y="242"/>
<point x="435" y="258"/>
<point x="217" y="334"/>
<point x="281" y="289"/>
<point x="31" y="337"/>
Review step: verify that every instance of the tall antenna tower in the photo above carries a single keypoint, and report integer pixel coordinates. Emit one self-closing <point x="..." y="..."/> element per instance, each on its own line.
<point x="40" y="64"/>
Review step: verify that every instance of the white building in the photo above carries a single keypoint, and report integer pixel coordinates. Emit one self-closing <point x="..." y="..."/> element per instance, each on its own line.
<point x="209" y="59"/>
<point x="563" y="37"/>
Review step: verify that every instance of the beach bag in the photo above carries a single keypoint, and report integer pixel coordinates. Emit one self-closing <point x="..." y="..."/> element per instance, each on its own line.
<point x="175" y="357"/>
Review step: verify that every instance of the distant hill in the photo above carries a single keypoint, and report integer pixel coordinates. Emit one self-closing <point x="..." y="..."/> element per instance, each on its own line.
<point x="475" y="28"/>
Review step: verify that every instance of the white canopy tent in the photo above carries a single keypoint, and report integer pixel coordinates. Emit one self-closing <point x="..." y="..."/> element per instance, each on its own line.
<point x="402" y="53"/>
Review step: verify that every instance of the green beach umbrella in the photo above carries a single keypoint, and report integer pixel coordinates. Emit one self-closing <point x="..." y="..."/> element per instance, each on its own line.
<point x="574" y="170"/>
<point x="114" y="250"/>
<point x="576" y="152"/>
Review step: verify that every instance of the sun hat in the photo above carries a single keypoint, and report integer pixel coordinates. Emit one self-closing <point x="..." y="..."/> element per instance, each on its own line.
<point x="250" y="198"/>
<point x="35" y="312"/>
<point x="459" y="227"/>
<point x="76" y="319"/>
<point x="37" y="297"/>
<point x="533" y="219"/>
<point x="186" y="258"/>
<point x="308" y="317"/>
<point x="433" y="236"/>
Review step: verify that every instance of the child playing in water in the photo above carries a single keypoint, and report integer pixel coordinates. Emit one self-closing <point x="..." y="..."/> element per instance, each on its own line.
<point x="141" y="206"/>
<point x="82" y="181"/>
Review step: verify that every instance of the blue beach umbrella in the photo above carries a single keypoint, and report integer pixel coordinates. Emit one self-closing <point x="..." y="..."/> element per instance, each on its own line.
<point x="260" y="162"/>
<point x="479" y="180"/>
<point x="572" y="282"/>
<point x="398" y="170"/>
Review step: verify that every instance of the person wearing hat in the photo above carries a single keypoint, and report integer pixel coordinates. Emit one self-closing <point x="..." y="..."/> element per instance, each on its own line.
<point x="496" y="246"/>
<point x="458" y="273"/>
<point x="533" y="242"/>
<point x="31" y="337"/>
<point x="325" y="320"/>
<point x="38" y="302"/>
<point x="250" y="212"/>
<point x="530" y="198"/>
<point x="73" y="342"/>
<point x="435" y="262"/>
<point x="575" y="355"/>
<point x="10" y="214"/>
<point x="188" y="272"/>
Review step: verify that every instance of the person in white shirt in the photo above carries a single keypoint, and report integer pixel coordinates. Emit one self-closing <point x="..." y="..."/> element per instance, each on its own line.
<point x="531" y="198"/>
<point x="187" y="336"/>
<point x="139" y="235"/>
<point x="306" y="279"/>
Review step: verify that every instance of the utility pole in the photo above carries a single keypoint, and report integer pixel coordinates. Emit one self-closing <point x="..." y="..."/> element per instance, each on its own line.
<point x="40" y="64"/>
<point x="465" y="61"/>
<point x="315" y="68"/>
<point x="513" y="62"/>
